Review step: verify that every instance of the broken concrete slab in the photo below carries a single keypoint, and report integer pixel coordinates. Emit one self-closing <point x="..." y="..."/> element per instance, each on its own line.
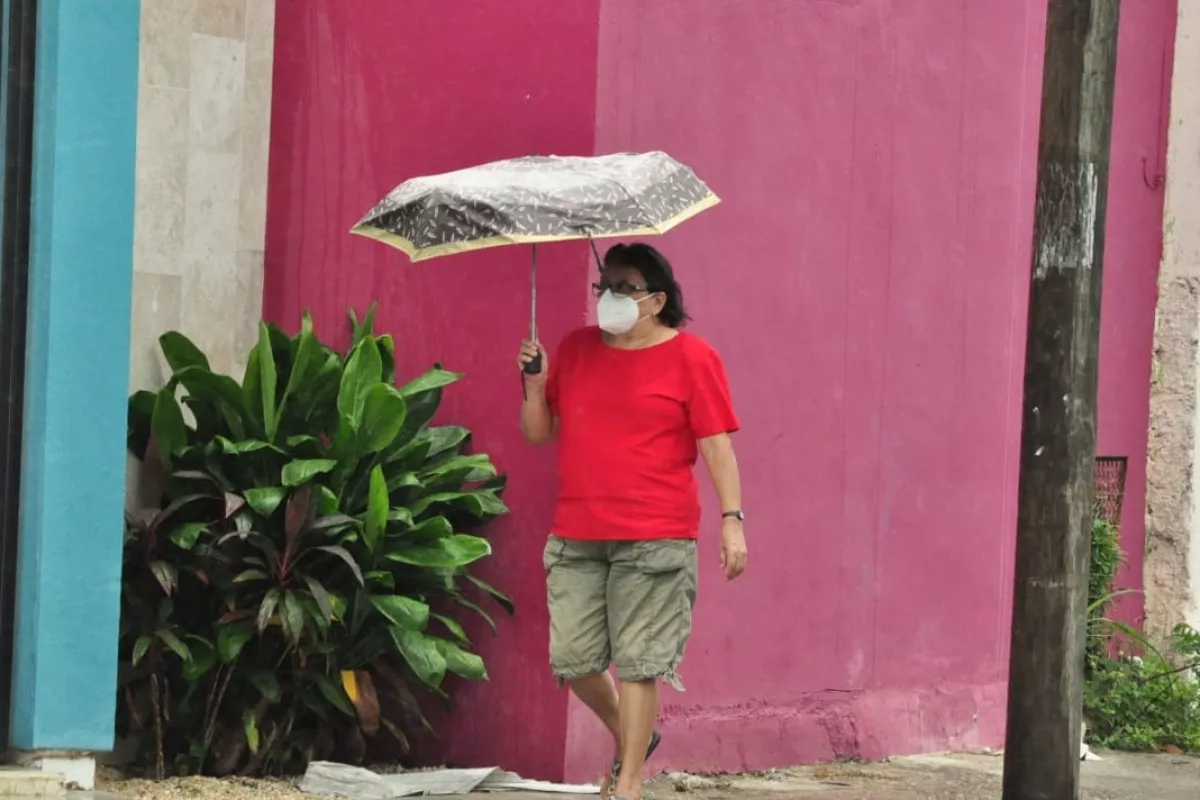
<point x="18" y="782"/>
<point x="329" y="779"/>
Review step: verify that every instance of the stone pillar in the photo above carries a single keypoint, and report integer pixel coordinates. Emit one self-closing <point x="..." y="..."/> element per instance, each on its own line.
<point x="204" y="117"/>
<point x="68" y="588"/>
<point x="1172" y="571"/>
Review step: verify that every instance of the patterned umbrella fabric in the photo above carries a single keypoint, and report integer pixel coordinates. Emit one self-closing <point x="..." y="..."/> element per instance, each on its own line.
<point x="537" y="199"/>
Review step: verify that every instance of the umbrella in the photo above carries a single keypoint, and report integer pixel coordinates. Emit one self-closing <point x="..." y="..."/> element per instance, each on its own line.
<point x="537" y="199"/>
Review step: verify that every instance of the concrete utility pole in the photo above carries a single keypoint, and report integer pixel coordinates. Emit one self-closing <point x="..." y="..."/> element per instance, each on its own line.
<point x="1058" y="436"/>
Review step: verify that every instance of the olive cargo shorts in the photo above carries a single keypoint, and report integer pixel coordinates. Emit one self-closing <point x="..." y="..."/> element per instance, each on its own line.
<point x="627" y="603"/>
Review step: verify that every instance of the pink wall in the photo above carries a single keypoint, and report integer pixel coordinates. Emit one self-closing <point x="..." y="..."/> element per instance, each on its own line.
<point x="1133" y="250"/>
<point x="865" y="279"/>
<point x="366" y="94"/>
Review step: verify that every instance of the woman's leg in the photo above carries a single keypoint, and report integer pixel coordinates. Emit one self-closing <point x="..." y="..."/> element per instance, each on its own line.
<point x="651" y="590"/>
<point x="576" y="589"/>
<point x="639" y="710"/>
<point x="599" y="693"/>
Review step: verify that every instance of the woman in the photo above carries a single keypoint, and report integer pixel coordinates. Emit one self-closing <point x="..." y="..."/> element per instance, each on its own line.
<point x="631" y="403"/>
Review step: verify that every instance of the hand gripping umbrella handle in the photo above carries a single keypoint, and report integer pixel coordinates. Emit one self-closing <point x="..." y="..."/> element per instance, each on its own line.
<point x="535" y="366"/>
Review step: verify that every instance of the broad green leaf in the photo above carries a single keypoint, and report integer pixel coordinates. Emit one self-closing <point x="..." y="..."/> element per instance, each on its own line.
<point x="266" y="683"/>
<point x="292" y="617"/>
<point x="187" y="534"/>
<point x="449" y="552"/>
<point x="219" y="390"/>
<point x="463" y="469"/>
<point x="168" y="427"/>
<point x="141" y="647"/>
<point x="429" y="529"/>
<point x="333" y="522"/>
<point x="377" y="508"/>
<point x="172" y="641"/>
<point x="334" y="693"/>
<point x="500" y="597"/>
<point x="232" y="638"/>
<point x="363" y="370"/>
<point x="465" y="603"/>
<point x="305" y="364"/>
<point x="491" y="503"/>
<point x="467" y="502"/>
<point x="298" y="515"/>
<point x="212" y="387"/>
<point x="345" y="556"/>
<point x="400" y="514"/>
<point x="314" y="404"/>
<point x="302" y="439"/>
<point x="267" y="610"/>
<point x="250" y="575"/>
<point x="422" y="407"/>
<point x="167" y="576"/>
<point x="321" y="597"/>
<point x="452" y="625"/>
<point x="403" y="480"/>
<point x="265" y="500"/>
<point x="141" y="409"/>
<point x="404" y="612"/>
<point x="266" y="366"/>
<point x="461" y="662"/>
<point x="203" y="659"/>
<point x="360" y="330"/>
<point x="233" y="448"/>
<point x="435" y="378"/>
<point x="397" y="734"/>
<point x="422" y="655"/>
<point x="446" y="438"/>
<point x="250" y="726"/>
<point x="382" y="578"/>
<point x="344" y="448"/>
<point x="301" y="471"/>
<point x="480" y="503"/>
<point x="387" y="354"/>
<point x="410" y="450"/>
<point x="382" y="417"/>
<point x="327" y="502"/>
<point x="180" y="352"/>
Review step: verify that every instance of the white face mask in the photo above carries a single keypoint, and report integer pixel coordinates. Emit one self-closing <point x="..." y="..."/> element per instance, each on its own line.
<point x="616" y="313"/>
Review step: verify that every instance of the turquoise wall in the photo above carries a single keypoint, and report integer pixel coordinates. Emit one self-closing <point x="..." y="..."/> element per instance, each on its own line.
<point x="77" y="380"/>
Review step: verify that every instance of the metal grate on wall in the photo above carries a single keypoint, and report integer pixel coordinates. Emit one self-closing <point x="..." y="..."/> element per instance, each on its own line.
<point x="1110" y="487"/>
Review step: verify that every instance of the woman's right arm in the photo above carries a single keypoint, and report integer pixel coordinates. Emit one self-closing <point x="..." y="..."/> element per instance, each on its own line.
<point x="538" y="423"/>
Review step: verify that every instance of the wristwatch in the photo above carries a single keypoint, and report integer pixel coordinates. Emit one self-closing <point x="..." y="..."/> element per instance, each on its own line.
<point x="737" y="514"/>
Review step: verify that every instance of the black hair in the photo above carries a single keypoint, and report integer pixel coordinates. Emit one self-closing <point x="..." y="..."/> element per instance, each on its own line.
<point x="659" y="277"/>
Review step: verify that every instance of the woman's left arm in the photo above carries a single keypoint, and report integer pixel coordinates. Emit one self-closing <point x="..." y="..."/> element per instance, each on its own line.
<point x="721" y="461"/>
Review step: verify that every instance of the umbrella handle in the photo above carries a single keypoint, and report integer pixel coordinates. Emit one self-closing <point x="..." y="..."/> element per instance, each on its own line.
<point x="534" y="367"/>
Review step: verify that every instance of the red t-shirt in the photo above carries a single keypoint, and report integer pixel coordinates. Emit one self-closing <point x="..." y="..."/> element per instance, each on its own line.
<point x="628" y="425"/>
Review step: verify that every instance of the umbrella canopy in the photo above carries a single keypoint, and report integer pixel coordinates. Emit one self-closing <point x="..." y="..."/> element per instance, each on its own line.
<point x="537" y="199"/>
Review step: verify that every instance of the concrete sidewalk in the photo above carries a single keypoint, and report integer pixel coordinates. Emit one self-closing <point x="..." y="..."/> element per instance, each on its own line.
<point x="948" y="777"/>
<point x="1118" y="776"/>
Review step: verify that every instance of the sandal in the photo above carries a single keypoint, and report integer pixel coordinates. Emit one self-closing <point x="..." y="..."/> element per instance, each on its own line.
<point x="655" y="740"/>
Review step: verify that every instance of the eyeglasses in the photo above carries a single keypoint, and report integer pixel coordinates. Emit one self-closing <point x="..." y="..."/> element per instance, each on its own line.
<point x="620" y="288"/>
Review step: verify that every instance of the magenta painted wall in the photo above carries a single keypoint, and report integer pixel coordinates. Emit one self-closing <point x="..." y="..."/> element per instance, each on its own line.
<point x="1133" y="250"/>
<point x="866" y="280"/>
<point x="368" y="93"/>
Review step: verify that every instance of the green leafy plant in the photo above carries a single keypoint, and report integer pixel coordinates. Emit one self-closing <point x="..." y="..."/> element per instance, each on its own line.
<point x="1149" y="702"/>
<point x="1106" y="559"/>
<point x="1136" y="696"/>
<point x="296" y="579"/>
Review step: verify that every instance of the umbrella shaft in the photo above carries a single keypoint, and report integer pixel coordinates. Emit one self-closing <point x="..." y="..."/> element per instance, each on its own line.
<point x="533" y="270"/>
